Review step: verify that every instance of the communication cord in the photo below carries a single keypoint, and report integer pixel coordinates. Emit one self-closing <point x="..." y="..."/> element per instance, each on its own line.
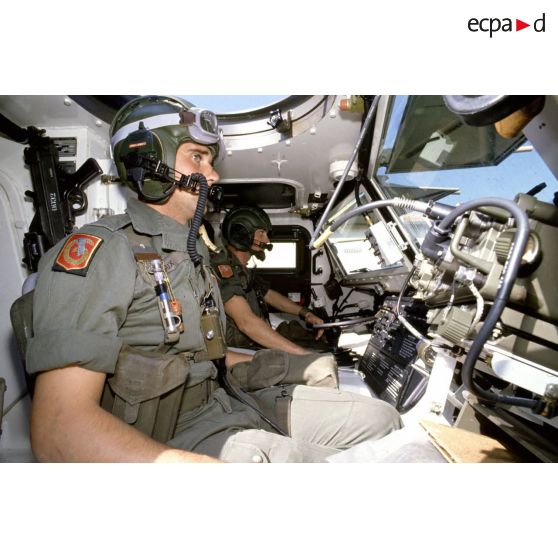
<point x="436" y="210"/>
<point x="196" y="222"/>
<point x="337" y="191"/>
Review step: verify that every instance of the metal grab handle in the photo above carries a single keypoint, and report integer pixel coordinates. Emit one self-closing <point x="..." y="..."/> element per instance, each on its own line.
<point x="316" y="270"/>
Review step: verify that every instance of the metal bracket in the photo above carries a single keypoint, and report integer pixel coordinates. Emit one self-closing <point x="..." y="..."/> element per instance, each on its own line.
<point x="393" y="229"/>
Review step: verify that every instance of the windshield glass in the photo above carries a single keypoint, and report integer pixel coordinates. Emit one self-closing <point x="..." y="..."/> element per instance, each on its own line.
<point x="426" y="153"/>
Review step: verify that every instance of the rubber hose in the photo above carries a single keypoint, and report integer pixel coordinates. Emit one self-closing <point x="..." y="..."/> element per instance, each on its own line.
<point x="510" y="273"/>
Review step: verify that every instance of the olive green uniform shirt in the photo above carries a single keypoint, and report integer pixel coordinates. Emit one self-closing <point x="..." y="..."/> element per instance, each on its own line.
<point x="236" y="279"/>
<point x="85" y="320"/>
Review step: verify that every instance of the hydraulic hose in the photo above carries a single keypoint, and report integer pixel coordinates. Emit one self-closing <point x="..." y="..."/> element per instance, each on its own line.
<point x="506" y="283"/>
<point x="337" y="191"/>
<point x="191" y="247"/>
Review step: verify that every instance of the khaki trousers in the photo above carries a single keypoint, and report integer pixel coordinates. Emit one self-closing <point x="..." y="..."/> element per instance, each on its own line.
<point x="320" y="422"/>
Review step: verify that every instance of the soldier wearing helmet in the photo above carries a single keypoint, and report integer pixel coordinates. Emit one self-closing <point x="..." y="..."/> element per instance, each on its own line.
<point x="245" y="232"/>
<point x="125" y="346"/>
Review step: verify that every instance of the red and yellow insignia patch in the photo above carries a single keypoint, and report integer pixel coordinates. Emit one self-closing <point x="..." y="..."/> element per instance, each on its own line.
<point x="77" y="253"/>
<point x="225" y="271"/>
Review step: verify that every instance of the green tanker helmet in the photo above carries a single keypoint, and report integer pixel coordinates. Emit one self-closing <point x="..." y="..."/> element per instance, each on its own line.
<point x="159" y="125"/>
<point x="240" y="224"/>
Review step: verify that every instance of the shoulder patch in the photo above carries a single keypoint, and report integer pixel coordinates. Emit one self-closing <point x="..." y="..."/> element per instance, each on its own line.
<point x="225" y="271"/>
<point x="77" y="253"/>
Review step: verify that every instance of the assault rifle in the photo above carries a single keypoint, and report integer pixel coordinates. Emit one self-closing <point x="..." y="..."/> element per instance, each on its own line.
<point x="57" y="195"/>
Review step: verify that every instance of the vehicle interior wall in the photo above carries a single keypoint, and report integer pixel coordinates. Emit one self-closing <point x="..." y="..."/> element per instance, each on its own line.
<point x="14" y="219"/>
<point x="79" y="135"/>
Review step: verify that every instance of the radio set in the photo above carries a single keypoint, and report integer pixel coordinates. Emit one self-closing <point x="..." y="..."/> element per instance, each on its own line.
<point x="391" y="351"/>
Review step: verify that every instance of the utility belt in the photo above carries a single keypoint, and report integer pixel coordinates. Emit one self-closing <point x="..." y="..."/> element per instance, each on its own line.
<point x="148" y="390"/>
<point x="198" y="395"/>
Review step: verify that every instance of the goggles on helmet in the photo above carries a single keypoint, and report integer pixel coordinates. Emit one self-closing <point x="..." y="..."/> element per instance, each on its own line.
<point x="202" y="125"/>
